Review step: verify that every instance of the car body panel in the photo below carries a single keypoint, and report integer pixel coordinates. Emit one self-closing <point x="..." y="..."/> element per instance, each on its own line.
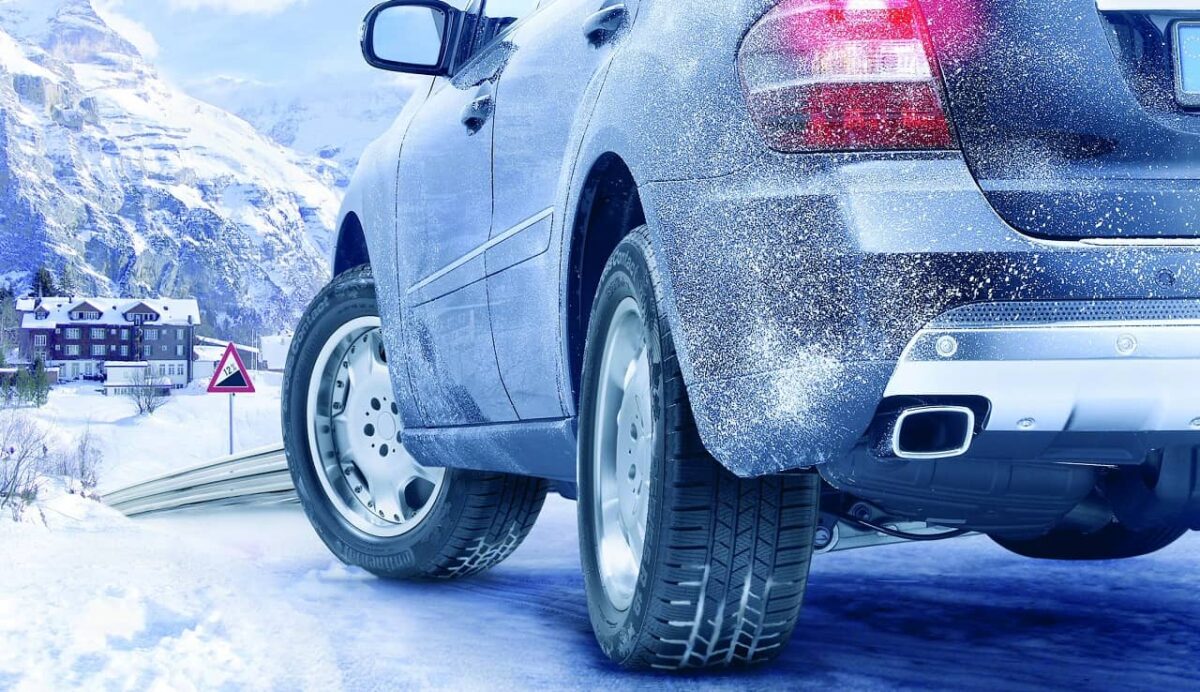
<point x="1068" y="116"/>
<point x="535" y="151"/>
<point x="443" y="215"/>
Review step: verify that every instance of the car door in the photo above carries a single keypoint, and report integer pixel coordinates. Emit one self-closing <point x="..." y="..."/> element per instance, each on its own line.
<point x="548" y="86"/>
<point x="444" y="219"/>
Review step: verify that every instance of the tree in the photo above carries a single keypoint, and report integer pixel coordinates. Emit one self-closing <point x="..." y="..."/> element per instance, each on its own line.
<point x="8" y="323"/>
<point x="68" y="282"/>
<point x="147" y="394"/>
<point x="41" y="383"/>
<point x="24" y="387"/>
<point x="23" y="460"/>
<point x="8" y="391"/>
<point x="44" y="283"/>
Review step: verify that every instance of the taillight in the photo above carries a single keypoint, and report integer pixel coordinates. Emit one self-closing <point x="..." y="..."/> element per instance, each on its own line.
<point x="844" y="75"/>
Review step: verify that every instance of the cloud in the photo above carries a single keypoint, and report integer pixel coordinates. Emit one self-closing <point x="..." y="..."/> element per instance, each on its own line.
<point x="130" y="30"/>
<point x="234" y="6"/>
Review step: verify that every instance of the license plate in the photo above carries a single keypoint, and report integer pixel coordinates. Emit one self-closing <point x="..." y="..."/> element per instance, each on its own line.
<point x="1187" y="63"/>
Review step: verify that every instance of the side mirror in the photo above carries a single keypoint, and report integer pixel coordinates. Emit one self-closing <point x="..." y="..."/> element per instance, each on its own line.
<point x="412" y="36"/>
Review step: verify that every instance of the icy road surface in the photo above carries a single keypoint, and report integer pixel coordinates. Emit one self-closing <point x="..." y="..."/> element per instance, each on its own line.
<point x="250" y="599"/>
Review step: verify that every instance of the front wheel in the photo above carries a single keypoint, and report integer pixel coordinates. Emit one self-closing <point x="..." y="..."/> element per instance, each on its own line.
<point x="686" y="565"/>
<point x="370" y="501"/>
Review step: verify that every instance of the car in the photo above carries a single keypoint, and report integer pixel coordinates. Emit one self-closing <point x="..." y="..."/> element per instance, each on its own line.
<point x="755" y="280"/>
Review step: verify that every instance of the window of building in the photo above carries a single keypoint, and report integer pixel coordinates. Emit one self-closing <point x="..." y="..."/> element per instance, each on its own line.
<point x="166" y="349"/>
<point x="162" y="370"/>
<point x="73" y="333"/>
<point x="72" y="349"/>
<point x="151" y="335"/>
<point x="98" y="333"/>
<point x="179" y="351"/>
<point x="98" y="350"/>
<point x="179" y="334"/>
<point x="124" y="334"/>
<point x="124" y="350"/>
<point x="39" y="340"/>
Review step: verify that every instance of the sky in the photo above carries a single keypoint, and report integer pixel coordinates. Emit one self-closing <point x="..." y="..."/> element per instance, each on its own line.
<point x="272" y="41"/>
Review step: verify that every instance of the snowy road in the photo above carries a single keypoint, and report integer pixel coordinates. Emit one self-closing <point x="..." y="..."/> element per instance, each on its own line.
<point x="250" y="599"/>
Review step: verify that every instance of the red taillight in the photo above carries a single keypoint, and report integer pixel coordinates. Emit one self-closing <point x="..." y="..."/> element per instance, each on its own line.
<point x="844" y="75"/>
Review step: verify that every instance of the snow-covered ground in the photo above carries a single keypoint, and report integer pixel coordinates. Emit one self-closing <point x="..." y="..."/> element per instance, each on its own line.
<point x="249" y="599"/>
<point x="192" y="428"/>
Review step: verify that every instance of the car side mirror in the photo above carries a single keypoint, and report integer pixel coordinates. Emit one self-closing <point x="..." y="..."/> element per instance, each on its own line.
<point x="412" y="36"/>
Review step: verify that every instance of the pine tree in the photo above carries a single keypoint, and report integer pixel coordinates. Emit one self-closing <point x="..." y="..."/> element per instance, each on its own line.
<point x="68" y="282"/>
<point x="41" y="384"/>
<point x="8" y="322"/>
<point x="44" y="284"/>
<point x="24" y="387"/>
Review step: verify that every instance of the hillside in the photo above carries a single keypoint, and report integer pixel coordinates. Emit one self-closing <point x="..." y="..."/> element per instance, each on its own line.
<point x="124" y="184"/>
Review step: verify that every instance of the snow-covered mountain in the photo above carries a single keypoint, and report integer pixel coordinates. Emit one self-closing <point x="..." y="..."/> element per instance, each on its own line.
<point x="331" y="120"/>
<point x="125" y="184"/>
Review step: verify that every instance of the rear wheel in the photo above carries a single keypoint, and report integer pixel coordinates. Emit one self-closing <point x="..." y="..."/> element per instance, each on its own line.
<point x="369" y="500"/>
<point x="1114" y="542"/>
<point x="686" y="565"/>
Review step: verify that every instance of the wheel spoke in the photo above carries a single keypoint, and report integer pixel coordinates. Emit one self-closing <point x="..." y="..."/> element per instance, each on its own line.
<point x="365" y="470"/>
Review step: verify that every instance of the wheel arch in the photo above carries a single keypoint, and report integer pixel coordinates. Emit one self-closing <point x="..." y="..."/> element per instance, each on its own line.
<point x="351" y="249"/>
<point x="609" y="206"/>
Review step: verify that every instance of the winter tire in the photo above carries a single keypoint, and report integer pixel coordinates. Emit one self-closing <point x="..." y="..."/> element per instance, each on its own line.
<point x="686" y="565"/>
<point x="372" y="504"/>
<point x="1114" y="542"/>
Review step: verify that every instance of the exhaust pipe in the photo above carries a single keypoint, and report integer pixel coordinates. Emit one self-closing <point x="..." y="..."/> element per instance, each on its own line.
<point x="931" y="432"/>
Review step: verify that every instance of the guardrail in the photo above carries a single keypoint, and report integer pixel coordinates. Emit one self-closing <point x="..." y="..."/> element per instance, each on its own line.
<point x="259" y="476"/>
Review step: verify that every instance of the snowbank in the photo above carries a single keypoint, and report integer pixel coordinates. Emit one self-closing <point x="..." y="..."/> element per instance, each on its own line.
<point x="192" y="428"/>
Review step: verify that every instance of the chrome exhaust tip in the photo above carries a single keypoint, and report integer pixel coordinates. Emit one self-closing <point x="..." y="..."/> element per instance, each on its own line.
<point x="932" y="432"/>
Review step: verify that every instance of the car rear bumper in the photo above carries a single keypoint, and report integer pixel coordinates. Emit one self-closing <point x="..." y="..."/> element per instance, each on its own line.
<point x="1070" y="374"/>
<point x="804" y="292"/>
<point x="1092" y="382"/>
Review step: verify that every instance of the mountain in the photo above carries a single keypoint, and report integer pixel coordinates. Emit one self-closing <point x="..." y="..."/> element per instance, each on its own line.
<point x="124" y="184"/>
<point x="331" y="119"/>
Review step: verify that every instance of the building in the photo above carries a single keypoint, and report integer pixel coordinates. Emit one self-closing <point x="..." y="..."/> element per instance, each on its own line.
<point x="207" y="345"/>
<point x="80" y="335"/>
<point x="274" y="349"/>
<point x="123" y="377"/>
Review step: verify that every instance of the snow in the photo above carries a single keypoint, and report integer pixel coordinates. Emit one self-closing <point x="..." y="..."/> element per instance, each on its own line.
<point x="172" y="312"/>
<point x="250" y="599"/>
<point x="116" y="177"/>
<point x="191" y="429"/>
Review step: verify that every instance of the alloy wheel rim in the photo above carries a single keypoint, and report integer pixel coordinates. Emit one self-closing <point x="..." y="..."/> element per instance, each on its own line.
<point x="623" y="453"/>
<point x="355" y="433"/>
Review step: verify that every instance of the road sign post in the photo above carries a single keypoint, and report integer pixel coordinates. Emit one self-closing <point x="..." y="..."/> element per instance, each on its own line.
<point x="231" y="377"/>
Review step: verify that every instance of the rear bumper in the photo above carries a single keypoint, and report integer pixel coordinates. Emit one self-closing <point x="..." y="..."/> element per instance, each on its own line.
<point x="804" y="291"/>
<point x="1099" y="382"/>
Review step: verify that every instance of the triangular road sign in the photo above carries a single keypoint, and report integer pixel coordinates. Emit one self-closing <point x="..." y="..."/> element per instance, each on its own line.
<point x="231" y="376"/>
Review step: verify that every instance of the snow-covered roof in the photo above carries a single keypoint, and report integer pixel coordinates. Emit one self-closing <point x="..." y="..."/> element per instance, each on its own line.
<point x="172" y="312"/>
<point x="212" y="353"/>
<point x="125" y="364"/>
<point x="275" y="348"/>
<point x="209" y="341"/>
